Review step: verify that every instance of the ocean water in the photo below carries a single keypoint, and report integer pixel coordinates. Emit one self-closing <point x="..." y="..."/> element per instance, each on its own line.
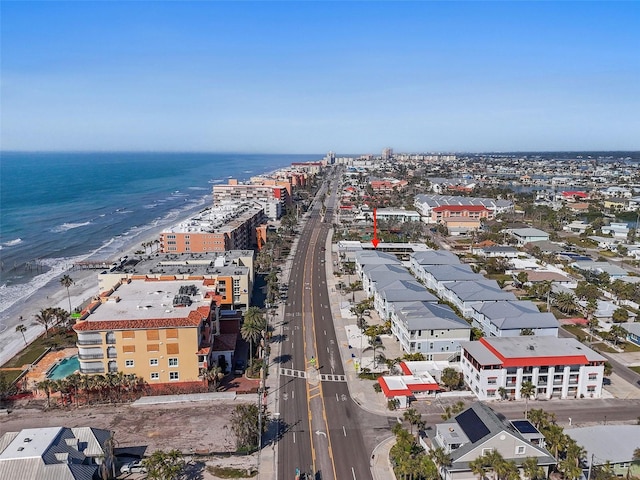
<point x="59" y="208"/>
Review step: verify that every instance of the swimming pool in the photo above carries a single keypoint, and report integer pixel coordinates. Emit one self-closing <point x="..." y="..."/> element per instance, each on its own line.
<point x="65" y="368"/>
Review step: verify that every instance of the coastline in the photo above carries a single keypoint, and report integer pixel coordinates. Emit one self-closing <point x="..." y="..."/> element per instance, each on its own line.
<point x="53" y="294"/>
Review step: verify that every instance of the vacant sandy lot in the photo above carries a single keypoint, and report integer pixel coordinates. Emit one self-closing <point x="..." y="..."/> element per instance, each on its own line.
<point x="188" y="427"/>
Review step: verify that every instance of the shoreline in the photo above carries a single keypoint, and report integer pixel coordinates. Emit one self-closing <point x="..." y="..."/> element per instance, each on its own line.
<point x="53" y="294"/>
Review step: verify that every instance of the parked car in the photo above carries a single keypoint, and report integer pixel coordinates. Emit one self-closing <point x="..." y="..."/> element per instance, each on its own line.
<point x="133" y="467"/>
<point x="239" y="367"/>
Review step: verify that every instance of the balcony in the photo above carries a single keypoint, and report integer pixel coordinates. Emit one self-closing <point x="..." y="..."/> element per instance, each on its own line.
<point x="89" y="341"/>
<point x="96" y="369"/>
<point x="90" y="356"/>
<point x="112" y="355"/>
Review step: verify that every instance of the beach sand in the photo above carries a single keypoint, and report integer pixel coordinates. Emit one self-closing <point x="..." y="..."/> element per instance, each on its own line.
<point x="53" y="294"/>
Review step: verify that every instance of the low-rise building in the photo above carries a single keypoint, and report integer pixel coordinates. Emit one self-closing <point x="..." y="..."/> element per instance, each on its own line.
<point x="528" y="235"/>
<point x="510" y="318"/>
<point x="477" y="431"/>
<point x="55" y="453"/>
<point x="152" y="329"/>
<point x="429" y="328"/>
<point x="557" y="367"/>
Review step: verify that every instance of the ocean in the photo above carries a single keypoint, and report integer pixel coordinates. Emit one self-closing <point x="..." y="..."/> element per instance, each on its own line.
<point x="60" y="208"/>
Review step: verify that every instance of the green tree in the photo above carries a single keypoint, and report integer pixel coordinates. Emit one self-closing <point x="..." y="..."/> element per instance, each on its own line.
<point x="479" y="467"/>
<point x="253" y="326"/>
<point x="45" y="318"/>
<point x="66" y="281"/>
<point x="164" y="465"/>
<point x="46" y="386"/>
<point x="531" y="469"/>
<point x="211" y="377"/>
<point x="565" y="302"/>
<point x="620" y="315"/>
<point x="527" y="332"/>
<point x="411" y="416"/>
<point x="21" y="328"/>
<point x="452" y="410"/>
<point x="450" y="378"/>
<point x="527" y="389"/>
<point x="440" y="457"/>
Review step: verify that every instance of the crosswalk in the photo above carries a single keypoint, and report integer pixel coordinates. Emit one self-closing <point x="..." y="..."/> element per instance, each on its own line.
<point x="324" y="377"/>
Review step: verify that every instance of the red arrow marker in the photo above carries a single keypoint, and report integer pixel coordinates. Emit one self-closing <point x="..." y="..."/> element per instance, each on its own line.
<point x="375" y="240"/>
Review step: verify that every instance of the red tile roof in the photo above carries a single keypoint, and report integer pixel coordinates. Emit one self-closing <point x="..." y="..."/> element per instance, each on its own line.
<point x="192" y="320"/>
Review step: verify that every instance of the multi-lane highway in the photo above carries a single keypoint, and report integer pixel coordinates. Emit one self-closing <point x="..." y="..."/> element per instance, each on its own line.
<point x="321" y="433"/>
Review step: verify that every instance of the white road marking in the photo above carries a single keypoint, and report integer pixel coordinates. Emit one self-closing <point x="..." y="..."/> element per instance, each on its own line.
<point x="344" y="431"/>
<point x="294" y="437"/>
<point x="353" y="472"/>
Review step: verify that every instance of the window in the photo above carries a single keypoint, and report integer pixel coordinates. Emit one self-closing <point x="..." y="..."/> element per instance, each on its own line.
<point x="172" y="333"/>
<point x="520" y="450"/>
<point x="173" y="362"/>
<point x="173" y="348"/>
<point x="129" y="348"/>
<point x="153" y="362"/>
<point x="153" y="347"/>
<point x="593" y="376"/>
<point x="174" y="376"/>
<point x="153" y="335"/>
<point x="128" y="363"/>
<point x="129" y="334"/>
<point x="155" y="376"/>
<point x="487" y="451"/>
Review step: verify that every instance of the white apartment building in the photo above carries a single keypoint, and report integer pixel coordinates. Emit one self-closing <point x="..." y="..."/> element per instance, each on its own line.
<point x="557" y="367"/>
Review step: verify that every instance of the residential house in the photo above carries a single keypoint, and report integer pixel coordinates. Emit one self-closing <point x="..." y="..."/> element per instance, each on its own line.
<point x="633" y="332"/>
<point x="375" y="277"/>
<point x="478" y="431"/>
<point x="509" y="319"/>
<point x="435" y="277"/>
<point x="528" y="235"/>
<point x="428" y="328"/>
<point x="557" y="367"/>
<point x="610" y="446"/>
<point x="465" y="294"/>
<point x="416" y="382"/>
<point x="59" y="453"/>
<point x="400" y="291"/>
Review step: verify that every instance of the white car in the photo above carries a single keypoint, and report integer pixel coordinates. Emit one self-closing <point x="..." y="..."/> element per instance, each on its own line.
<point x="133" y="467"/>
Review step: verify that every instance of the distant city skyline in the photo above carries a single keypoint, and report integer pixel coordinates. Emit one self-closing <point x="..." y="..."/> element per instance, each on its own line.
<point x="300" y="77"/>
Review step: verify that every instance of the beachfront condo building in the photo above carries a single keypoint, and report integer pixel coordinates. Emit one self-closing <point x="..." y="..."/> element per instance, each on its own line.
<point x="225" y="227"/>
<point x="160" y="330"/>
<point x="229" y="274"/>
<point x="266" y="194"/>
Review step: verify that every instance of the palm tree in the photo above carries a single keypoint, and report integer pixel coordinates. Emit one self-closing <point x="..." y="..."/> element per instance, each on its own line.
<point x="21" y="328"/>
<point x="527" y="389"/>
<point x="555" y="437"/>
<point x="66" y="281"/>
<point x="211" y="377"/>
<point x="46" y="386"/>
<point x="479" y="467"/>
<point x="413" y="417"/>
<point x="252" y="327"/>
<point x="440" y="458"/>
<point x="45" y="317"/>
<point x="569" y="469"/>
<point x="531" y="469"/>
<point x="565" y="302"/>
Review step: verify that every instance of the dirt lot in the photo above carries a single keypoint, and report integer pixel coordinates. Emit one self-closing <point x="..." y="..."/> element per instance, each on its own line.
<point x="188" y="427"/>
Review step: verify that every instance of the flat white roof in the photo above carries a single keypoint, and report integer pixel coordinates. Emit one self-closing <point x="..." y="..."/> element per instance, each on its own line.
<point x="30" y="443"/>
<point x="141" y="299"/>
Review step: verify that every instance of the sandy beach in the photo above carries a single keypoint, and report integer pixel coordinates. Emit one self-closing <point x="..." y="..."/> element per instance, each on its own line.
<point x="53" y="294"/>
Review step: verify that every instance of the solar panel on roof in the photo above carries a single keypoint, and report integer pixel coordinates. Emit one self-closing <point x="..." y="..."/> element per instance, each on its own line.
<point x="471" y="425"/>
<point x="524" y="426"/>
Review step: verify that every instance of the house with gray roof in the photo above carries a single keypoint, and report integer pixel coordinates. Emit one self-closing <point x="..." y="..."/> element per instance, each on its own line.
<point x="528" y="235"/>
<point x="435" y="277"/>
<point x="429" y="328"/>
<point x="464" y="294"/>
<point x="633" y="332"/>
<point x="478" y="430"/>
<point x="419" y="260"/>
<point x="400" y="291"/>
<point x="375" y="277"/>
<point x="613" y="271"/>
<point x="54" y="453"/>
<point x="508" y="319"/>
<point x="373" y="257"/>
<point x="611" y="445"/>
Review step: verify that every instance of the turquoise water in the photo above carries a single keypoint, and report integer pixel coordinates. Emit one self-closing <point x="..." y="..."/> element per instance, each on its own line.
<point x="65" y="368"/>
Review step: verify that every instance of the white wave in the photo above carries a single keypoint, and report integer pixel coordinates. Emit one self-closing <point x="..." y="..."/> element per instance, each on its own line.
<point x="69" y="226"/>
<point x="216" y="181"/>
<point x="11" y="243"/>
<point x="148" y="207"/>
<point x="197" y="188"/>
<point x="124" y="211"/>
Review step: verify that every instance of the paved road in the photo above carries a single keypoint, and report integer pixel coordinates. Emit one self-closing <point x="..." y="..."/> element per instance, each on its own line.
<point x="322" y="425"/>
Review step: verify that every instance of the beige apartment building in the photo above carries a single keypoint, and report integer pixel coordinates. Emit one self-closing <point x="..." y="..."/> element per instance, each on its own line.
<point x="160" y="330"/>
<point x="219" y="229"/>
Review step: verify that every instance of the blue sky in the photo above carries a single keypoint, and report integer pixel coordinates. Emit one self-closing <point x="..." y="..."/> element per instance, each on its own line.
<point x="304" y="77"/>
